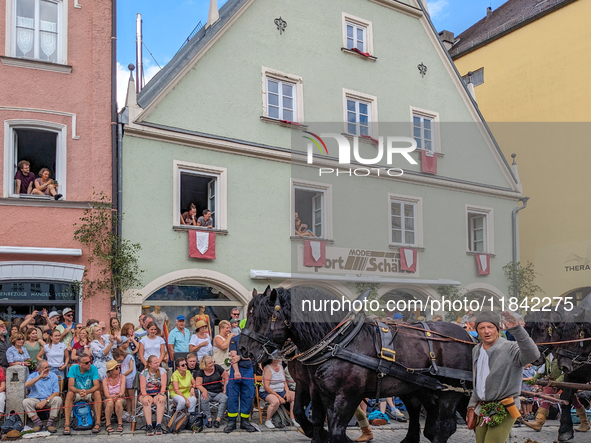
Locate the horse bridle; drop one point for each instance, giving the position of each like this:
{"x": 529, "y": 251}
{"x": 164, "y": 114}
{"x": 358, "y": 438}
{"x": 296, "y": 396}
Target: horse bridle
{"x": 578, "y": 360}
{"x": 267, "y": 340}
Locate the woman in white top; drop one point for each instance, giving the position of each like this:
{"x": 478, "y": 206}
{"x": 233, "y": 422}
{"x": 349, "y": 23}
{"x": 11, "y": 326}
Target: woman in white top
{"x": 200, "y": 342}
{"x": 152, "y": 344}
{"x": 101, "y": 347}
{"x": 56, "y": 354}
{"x": 275, "y": 390}
{"x": 221, "y": 345}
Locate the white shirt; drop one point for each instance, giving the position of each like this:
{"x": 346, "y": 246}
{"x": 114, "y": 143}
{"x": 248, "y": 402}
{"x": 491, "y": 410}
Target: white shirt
{"x": 125, "y": 366}
{"x": 482, "y": 371}
{"x": 204, "y": 350}
{"x": 152, "y": 347}
{"x": 55, "y": 355}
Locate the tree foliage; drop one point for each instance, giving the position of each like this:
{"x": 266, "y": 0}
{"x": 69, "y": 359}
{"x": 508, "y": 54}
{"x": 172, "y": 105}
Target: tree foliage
{"x": 116, "y": 257}
{"x": 522, "y": 280}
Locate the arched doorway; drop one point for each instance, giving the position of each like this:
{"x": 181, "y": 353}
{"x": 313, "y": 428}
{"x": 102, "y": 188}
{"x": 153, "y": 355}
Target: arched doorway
{"x": 578, "y": 295}
{"x": 187, "y": 298}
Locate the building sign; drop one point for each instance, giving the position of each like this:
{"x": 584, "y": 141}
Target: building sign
{"x": 353, "y": 261}
{"x": 24, "y": 292}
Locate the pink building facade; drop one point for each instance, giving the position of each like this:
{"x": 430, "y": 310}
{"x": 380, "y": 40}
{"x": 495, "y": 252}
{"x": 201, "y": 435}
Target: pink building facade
{"x": 55, "y": 113}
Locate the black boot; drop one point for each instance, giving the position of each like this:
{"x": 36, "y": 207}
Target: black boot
{"x": 246, "y": 425}
{"x": 231, "y": 426}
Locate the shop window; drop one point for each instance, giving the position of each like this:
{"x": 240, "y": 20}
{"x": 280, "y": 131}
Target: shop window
{"x": 38, "y": 29}
{"x": 202, "y": 186}
{"x": 42, "y": 145}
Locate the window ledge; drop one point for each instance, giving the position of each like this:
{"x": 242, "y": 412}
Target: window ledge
{"x": 35, "y": 64}
{"x": 358, "y": 54}
{"x": 439, "y": 154}
{"x": 369, "y": 140}
{"x": 43, "y": 202}
{"x": 284, "y": 123}
{"x": 416, "y": 248}
{"x": 479, "y": 253}
{"x": 298, "y": 238}
{"x": 180, "y": 228}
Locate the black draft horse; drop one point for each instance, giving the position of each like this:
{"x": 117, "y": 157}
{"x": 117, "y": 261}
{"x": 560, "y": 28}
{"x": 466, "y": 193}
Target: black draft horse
{"x": 574, "y": 359}
{"x": 341, "y": 385}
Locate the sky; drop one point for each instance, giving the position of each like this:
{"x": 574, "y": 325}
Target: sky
{"x": 167, "y": 24}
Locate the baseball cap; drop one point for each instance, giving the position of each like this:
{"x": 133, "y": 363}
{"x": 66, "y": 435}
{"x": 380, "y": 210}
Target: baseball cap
{"x": 397, "y": 316}
{"x": 65, "y": 311}
{"x": 235, "y": 320}
{"x": 52, "y": 314}
{"x": 124, "y": 339}
{"x": 180, "y": 318}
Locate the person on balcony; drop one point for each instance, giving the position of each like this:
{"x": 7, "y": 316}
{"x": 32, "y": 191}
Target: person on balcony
{"x": 24, "y": 178}
{"x": 45, "y": 185}
{"x": 205, "y": 220}
{"x": 189, "y": 217}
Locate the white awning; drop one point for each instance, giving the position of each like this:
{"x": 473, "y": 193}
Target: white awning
{"x": 267, "y": 275}
{"x": 40, "y": 251}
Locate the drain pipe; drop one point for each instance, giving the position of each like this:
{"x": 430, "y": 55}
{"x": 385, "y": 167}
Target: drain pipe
{"x": 514, "y": 230}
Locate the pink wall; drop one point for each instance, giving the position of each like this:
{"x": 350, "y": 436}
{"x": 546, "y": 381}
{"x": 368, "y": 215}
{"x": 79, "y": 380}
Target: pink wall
{"x": 86, "y": 92}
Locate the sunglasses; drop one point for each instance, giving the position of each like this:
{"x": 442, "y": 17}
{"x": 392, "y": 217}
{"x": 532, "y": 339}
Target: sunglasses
{"x": 85, "y": 362}
{"x": 236, "y": 314}
{"x": 183, "y": 365}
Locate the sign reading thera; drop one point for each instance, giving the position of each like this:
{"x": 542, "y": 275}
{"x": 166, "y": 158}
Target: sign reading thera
{"x": 358, "y": 261}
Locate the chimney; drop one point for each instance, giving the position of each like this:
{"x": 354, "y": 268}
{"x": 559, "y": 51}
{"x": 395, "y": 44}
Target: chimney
{"x": 470, "y": 86}
{"x": 488, "y": 11}
{"x": 214, "y": 14}
{"x": 447, "y": 38}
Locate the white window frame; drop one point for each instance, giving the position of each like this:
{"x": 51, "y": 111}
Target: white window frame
{"x": 359, "y": 22}
{"x": 489, "y": 228}
{"x": 221, "y": 191}
{"x": 61, "y": 156}
{"x": 296, "y": 80}
{"x": 62, "y": 42}
{"x": 371, "y": 100}
{"x": 418, "y": 203}
{"x": 435, "y": 131}
{"x": 311, "y": 186}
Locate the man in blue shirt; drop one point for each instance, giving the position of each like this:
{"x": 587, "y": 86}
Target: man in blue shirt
{"x": 240, "y": 389}
{"x": 178, "y": 338}
{"x": 44, "y": 394}
{"x": 83, "y": 385}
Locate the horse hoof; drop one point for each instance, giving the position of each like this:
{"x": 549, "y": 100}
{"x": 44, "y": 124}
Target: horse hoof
{"x": 566, "y": 436}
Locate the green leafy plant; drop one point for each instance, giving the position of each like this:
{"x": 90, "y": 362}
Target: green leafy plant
{"x": 116, "y": 257}
{"x": 522, "y": 280}
{"x": 451, "y": 293}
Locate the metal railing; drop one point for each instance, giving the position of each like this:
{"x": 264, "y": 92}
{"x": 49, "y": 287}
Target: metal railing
{"x": 191, "y": 35}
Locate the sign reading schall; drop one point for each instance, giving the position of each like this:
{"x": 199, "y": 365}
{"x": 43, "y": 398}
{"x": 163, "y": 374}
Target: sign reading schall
{"x": 358, "y": 262}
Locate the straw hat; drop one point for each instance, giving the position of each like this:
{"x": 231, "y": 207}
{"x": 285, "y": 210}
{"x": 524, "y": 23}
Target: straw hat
{"x": 112, "y": 364}
{"x": 200, "y": 324}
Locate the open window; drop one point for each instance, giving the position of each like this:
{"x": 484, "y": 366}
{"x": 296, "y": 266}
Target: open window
{"x": 311, "y": 210}
{"x": 41, "y": 145}
{"x": 204, "y": 187}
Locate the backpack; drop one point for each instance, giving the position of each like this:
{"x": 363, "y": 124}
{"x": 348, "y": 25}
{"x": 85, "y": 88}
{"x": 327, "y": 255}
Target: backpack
{"x": 281, "y": 418}
{"x": 196, "y": 422}
{"x": 178, "y": 421}
{"x": 82, "y": 419}
{"x": 12, "y": 422}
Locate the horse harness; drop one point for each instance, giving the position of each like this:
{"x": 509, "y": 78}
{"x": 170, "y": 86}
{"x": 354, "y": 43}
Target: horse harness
{"x": 334, "y": 345}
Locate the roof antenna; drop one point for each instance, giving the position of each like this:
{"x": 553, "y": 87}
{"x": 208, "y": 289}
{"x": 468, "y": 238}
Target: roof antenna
{"x": 139, "y": 63}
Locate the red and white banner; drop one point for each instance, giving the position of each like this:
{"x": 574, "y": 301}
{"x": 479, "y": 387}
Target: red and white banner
{"x": 429, "y": 162}
{"x": 483, "y": 261}
{"x": 408, "y": 260}
{"x": 314, "y": 253}
{"x": 201, "y": 244}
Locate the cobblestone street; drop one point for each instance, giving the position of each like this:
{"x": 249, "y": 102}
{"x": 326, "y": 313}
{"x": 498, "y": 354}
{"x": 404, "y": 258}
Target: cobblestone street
{"x": 384, "y": 434}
